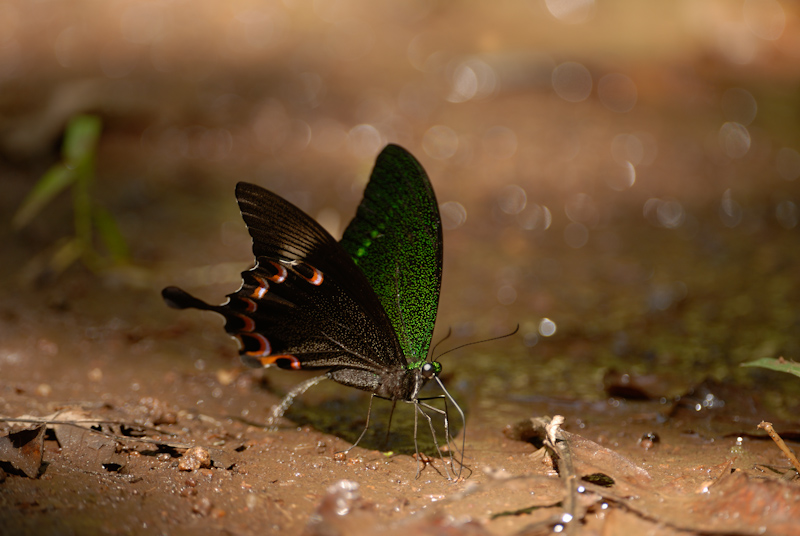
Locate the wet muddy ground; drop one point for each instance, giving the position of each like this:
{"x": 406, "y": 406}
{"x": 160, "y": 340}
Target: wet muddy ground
{"x": 655, "y": 231}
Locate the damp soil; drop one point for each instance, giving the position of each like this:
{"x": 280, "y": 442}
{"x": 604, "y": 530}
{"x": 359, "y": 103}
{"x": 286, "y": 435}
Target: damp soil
{"x": 122, "y": 416}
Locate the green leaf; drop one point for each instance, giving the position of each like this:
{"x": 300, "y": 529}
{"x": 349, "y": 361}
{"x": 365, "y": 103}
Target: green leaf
{"x": 109, "y": 233}
{"x": 80, "y": 138}
{"x": 51, "y": 184}
{"x": 780, "y": 365}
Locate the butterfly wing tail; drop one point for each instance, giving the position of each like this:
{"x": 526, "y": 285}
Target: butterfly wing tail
{"x": 178, "y": 298}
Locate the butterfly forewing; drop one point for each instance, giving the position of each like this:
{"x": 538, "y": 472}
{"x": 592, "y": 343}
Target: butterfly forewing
{"x": 396, "y": 240}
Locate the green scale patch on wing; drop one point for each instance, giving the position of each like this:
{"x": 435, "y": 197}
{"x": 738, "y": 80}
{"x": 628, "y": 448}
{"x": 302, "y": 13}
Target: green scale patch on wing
{"x": 396, "y": 240}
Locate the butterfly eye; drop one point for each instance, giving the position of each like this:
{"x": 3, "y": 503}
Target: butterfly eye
{"x": 429, "y": 370}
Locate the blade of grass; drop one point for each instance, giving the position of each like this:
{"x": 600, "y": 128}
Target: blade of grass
{"x": 80, "y": 139}
{"x": 57, "y": 179}
{"x": 110, "y": 235}
{"x": 66, "y": 254}
{"x": 80, "y": 142}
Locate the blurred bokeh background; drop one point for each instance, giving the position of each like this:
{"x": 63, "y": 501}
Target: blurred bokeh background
{"x": 618, "y": 177}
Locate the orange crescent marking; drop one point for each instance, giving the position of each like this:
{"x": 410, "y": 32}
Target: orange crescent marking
{"x": 249, "y": 323}
{"x": 264, "y": 346}
{"x": 271, "y": 360}
{"x": 260, "y": 290}
{"x": 316, "y": 278}
{"x": 251, "y": 305}
{"x": 280, "y": 277}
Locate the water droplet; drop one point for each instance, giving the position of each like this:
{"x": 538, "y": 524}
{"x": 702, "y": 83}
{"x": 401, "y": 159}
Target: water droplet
{"x": 627, "y": 148}
{"x": 576, "y": 235}
{"x": 535, "y": 217}
{"x": 787, "y": 214}
{"x": 617, "y": 92}
{"x": 765, "y": 18}
{"x": 471, "y": 79}
{"x": 736, "y": 43}
{"x": 547, "y": 328}
{"x": 670, "y": 214}
{"x": 572, "y": 81}
{"x": 621, "y": 177}
{"x": 666, "y": 213}
{"x": 734, "y": 139}
{"x": 730, "y": 212}
{"x": 364, "y": 141}
{"x": 506, "y": 295}
{"x": 500, "y": 142}
{"x": 440, "y": 142}
{"x": 454, "y": 215}
{"x": 512, "y": 199}
{"x": 581, "y": 208}
{"x": 571, "y": 11}
{"x": 530, "y": 339}
{"x": 739, "y": 105}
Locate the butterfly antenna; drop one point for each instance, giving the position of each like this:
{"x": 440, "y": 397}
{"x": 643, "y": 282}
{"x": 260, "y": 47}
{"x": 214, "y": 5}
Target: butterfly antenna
{"x": 435, "y": 346}
{"x": 516, "y": 329}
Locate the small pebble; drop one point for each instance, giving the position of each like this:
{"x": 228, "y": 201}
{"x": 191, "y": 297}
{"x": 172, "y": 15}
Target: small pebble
{"x": 648, "y": 440}
{"x": 202, "y": 507}
{"x": 195, "y": 458}
{"x": 95, "y": 375}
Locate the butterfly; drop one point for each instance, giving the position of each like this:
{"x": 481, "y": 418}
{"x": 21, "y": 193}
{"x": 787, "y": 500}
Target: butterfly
{"x": 362, "y": 309}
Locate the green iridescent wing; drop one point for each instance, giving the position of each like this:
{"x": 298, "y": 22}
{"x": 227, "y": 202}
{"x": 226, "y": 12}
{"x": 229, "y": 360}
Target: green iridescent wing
{"x": 396, "y": 240}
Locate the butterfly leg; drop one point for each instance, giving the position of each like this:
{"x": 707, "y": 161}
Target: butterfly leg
{"x": 447, "y": 421}
{"x": 389, "y": 426}
{"x": 279, "y": 409}
{"x": 451, "y": 441}
{"x": 416, "y": 447}
{"x": 419, "y": 405}
{"x": 418, "y": 410}
{"x": 364, "y": 431}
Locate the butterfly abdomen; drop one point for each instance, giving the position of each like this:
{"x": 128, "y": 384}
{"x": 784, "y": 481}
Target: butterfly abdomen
{"x": 392, "y": 384}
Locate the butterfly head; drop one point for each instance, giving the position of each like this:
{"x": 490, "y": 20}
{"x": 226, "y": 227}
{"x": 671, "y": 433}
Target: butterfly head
{"x": 430, "y": 369}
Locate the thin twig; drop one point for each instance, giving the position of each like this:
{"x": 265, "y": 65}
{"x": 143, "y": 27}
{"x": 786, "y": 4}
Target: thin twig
{"x": 767, "y": 426}
{"x": 556, "y": 441}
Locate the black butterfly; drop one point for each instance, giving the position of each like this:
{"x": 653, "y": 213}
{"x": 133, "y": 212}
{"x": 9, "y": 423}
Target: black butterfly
{"x": 363, "y": 309}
